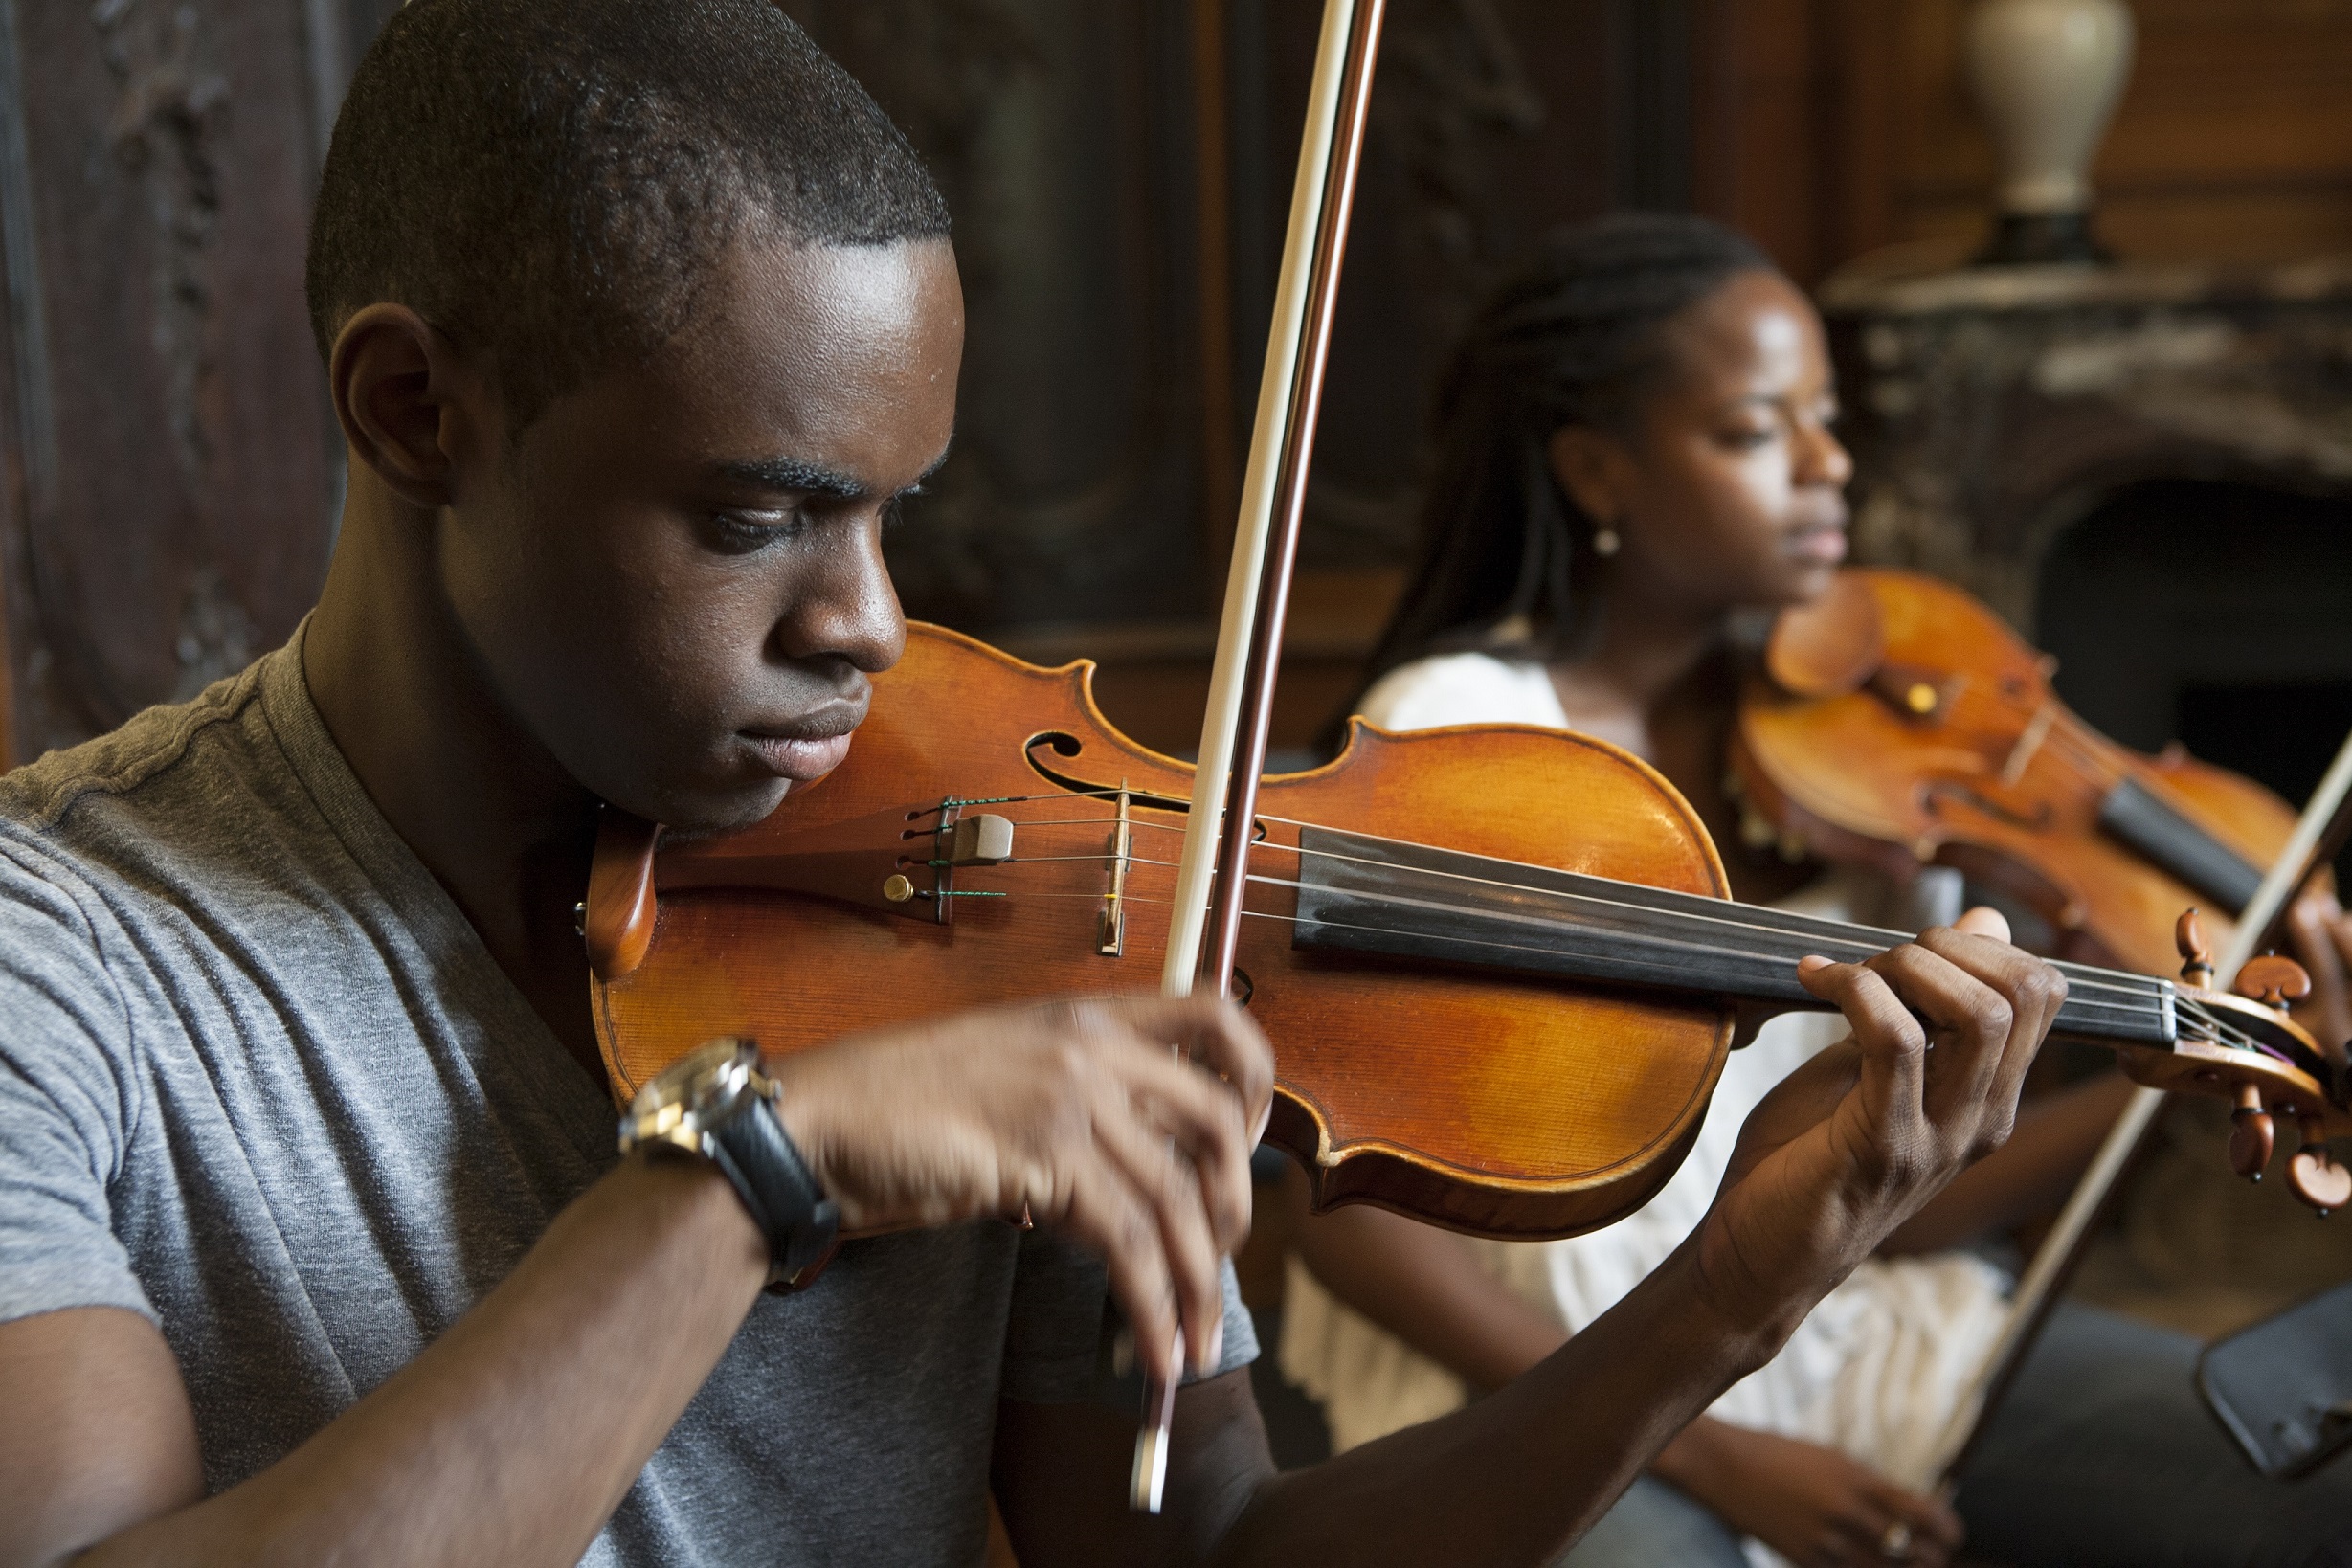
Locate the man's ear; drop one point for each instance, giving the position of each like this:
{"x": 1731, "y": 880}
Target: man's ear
{"x": 395, "y": 382}
{"x": 1595, "y": 469}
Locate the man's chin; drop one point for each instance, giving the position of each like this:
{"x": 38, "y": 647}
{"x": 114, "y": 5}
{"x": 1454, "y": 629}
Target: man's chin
{"x": 706, "y": 812}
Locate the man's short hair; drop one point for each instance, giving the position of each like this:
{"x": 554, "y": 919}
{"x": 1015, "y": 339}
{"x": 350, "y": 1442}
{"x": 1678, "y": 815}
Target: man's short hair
{"x": 551, "y": 180}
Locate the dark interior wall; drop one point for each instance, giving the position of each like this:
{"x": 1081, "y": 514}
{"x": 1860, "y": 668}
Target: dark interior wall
{"x": 1120, "y": 174}
{"x": 168, "y": 468}
{"x": 2216, "y": 614}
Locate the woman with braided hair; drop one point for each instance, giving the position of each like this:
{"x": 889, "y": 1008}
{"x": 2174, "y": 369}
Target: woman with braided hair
{"x": 1635, "y": 467}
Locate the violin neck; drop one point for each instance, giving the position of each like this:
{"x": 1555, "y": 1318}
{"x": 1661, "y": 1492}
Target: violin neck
{"x": 1361, "y": 893}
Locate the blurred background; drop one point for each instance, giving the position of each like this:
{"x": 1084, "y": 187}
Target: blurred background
{"x": 2140, "y": 465}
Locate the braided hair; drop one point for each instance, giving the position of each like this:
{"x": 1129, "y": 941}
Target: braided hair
{"x": 1574, "y": 338}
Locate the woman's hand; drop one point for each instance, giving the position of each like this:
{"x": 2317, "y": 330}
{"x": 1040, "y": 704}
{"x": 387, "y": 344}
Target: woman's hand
{"x": 1857, "y": 1139}
{"x": 1812, "y": 1504}
{"x": 2321, "y": 933}
{"x": 1086, "y": 1113}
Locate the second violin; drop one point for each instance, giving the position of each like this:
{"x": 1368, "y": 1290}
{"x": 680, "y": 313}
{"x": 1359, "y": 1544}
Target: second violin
{"x": 1898, "y": 722}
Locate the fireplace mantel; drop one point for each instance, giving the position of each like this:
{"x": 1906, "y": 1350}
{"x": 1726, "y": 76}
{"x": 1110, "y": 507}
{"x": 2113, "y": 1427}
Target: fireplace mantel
{"x": 1989, "y": 409}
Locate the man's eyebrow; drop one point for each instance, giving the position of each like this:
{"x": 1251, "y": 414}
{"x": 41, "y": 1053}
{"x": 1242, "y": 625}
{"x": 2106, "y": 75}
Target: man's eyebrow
{"x": 795, "y": 476}
{"x": 792, "y": 476}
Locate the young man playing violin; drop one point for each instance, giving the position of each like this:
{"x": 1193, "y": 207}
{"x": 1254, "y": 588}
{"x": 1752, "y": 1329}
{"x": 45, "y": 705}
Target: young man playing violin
{"x": 314, "y": 1242}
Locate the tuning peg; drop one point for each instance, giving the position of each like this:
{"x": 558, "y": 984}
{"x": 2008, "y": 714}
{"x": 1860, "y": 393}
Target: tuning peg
{"x": 2314, "y": 1176}
{"x": 2273, "y": 981}
{"x": 2196, "y": 958}
{"x": 2252, "y": 1134}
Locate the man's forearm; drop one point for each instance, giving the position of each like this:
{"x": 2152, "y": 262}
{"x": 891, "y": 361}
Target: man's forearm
{"x": 513, "y": 1437}
{"x": 1516, "y": 1476}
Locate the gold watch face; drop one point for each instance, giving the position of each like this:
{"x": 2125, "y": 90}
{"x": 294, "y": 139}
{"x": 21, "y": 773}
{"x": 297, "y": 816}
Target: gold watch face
{"x": 690, "y": 1094}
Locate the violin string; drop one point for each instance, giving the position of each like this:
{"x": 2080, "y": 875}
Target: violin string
{"x": 2083, "y": 749}
{"x": 1854, "y": 944}
{"x": 2137, "y": 986}
{"x": 2066, "y": 736}
{"x": 1680, "y": 944}
{"x": 1810, "y": 931}
{"x": 2141, "y": 988}
{"x": 2229, "y": 1034}
{"x": 2209, "y": 1025}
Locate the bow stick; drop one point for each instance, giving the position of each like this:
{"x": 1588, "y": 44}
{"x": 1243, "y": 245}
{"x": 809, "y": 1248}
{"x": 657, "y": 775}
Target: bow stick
{"x": 2317, "y": 835}
{"x": 1265, "y": 549}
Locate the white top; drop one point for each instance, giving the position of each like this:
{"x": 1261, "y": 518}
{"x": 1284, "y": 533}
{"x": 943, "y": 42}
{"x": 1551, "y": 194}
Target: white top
{"x": 1877, "y": 1369}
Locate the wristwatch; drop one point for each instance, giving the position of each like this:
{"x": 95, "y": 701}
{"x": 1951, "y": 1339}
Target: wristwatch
{"x": 715, "y": 1102}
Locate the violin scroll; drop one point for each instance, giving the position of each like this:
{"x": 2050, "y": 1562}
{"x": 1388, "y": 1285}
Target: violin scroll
{"x": 2314, "y": 1175}
{"x": 1831, "y": 646}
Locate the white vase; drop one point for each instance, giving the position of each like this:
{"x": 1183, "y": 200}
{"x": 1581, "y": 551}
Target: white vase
{"x": 2046, "y": 74}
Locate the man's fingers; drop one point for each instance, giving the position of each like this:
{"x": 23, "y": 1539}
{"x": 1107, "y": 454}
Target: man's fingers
{"x": 1163, "y": 1182}
{"x": 1104, "y": 1213}
{"x": 1215, "y": 1034}
{"x": 1893, "y": 1043}
{"x": 1983, "y": 921}
{"x": 2032, "y": 990}
{"x": 1204, "y": 1119}
{"x": 1968, "y": 1022}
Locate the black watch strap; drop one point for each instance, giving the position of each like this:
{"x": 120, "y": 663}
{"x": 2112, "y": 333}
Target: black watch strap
{"x": 756, "y": 1153}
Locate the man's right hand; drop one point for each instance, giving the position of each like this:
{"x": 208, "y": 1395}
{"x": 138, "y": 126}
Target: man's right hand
{"x": 1077, "y": 1111}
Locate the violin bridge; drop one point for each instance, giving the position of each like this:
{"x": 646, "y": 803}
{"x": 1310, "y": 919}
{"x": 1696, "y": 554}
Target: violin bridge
{"x": 1111, "y": 937}
{"x": 2029, "y": 741}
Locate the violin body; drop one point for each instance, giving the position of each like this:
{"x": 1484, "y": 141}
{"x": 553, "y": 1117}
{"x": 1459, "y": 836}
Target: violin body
{"x": 1493, "y": 1103}
{"x": 1498, "y": 964}
{"x": 1899, "y": 722}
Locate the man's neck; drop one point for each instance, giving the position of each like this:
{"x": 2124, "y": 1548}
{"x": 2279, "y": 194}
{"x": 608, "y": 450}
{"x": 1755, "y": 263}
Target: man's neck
{"x": 487, "y": 810}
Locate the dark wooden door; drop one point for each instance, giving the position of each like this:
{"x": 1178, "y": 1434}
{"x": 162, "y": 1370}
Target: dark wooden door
{"x": 168, "y": 468}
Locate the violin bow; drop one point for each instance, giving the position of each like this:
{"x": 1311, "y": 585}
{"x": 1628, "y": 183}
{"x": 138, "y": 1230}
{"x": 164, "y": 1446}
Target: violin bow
{"x": 1241, "y": 707}
{"x": 2318, "y": 835}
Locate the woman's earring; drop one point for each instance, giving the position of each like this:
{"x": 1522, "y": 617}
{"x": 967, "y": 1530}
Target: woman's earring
{"x": 1606, "y": 540}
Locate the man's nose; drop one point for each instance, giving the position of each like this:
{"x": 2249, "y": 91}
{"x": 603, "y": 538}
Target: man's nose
{"x": 846, "y": 607}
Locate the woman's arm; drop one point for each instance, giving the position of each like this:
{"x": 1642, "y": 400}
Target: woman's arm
{"x": 1424, "y": 1286}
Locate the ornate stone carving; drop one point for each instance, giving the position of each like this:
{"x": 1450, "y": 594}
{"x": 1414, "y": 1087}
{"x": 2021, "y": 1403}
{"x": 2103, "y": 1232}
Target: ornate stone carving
{"x": 1991, "y": 410}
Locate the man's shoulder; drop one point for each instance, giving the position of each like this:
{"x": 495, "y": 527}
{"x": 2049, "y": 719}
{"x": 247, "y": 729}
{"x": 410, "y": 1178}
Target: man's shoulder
{"x": 36, "y": 797}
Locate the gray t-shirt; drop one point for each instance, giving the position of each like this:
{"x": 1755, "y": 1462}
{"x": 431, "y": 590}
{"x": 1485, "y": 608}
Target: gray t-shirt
{"x": 261, "y": 1083}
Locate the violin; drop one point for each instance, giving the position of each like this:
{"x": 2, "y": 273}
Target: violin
{"x": 1499, "y": 963}
{"x": 1897, "y": 722}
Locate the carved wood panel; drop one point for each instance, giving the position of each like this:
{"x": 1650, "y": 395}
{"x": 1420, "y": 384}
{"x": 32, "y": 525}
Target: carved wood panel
{"x": 1832, "y": 127}
{"x": 170, "y": 467}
